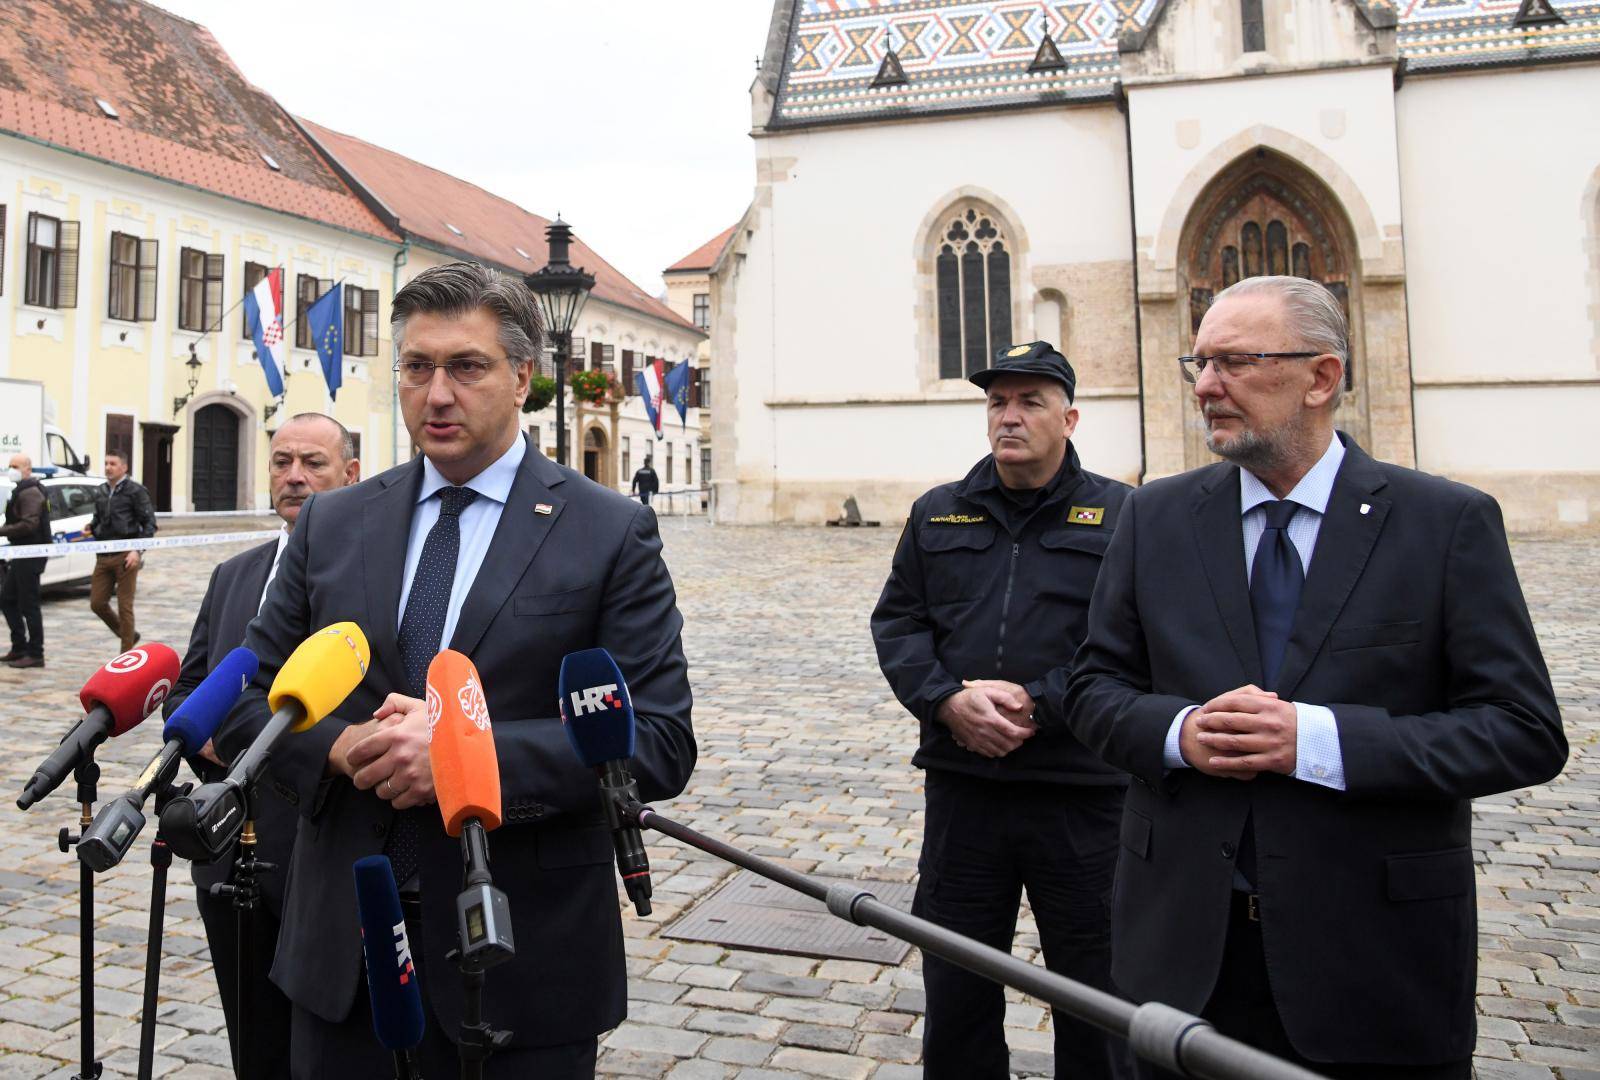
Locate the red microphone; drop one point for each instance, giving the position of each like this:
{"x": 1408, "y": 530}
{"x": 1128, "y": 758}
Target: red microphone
{"x": 116, "y": 697}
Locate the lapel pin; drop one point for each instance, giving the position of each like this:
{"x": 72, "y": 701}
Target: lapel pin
{"x": 1365, "y": 507}
{"x": 545, "y": 508}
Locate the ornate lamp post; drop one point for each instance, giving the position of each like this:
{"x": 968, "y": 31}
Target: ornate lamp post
{"x": 562, "y": 290}
{"x": 193, "y": 364}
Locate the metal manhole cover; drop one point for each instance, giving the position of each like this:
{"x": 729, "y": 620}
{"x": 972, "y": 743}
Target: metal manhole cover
{"x": 750, "y": 912}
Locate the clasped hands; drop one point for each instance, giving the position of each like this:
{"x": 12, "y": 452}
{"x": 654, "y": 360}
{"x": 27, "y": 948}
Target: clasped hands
{"x": 991, "y": 717}
{"x": 388, "y": 754}
{"x": 1241, "y": 733}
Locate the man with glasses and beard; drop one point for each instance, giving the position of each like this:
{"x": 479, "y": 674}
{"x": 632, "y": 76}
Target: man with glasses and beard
{"x": 1310, "y": 662}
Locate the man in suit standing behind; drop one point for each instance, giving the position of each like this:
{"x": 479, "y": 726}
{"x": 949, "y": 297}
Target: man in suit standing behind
{"x": 497, "y": 552}
{"x": 1310, "y": 662}
{"x": 310, "y": 453}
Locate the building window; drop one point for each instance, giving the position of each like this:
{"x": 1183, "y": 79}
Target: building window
{"x": 253, "y": 273}
{"x": 307, "y": 287}
{"x": 360, "y": 321}
{"x": 705, "y": 465}
{"x": 533, "y": 438}
{"x": 688, "y": 465}
{"x": 704, "y": 388}
{"x": 1254, "y": 26}
{"x": 199, "y": 290}
{"x": 666, "y": 453}
{"x": 608, "y": 358}
{"x": 627, "y": 373}
{"x": 355, "y": 443}
{"x": 972, "y": 270}
{"x": 133, "y": 279}
{"x": 702, "y": 310}
{"x": 627, "y": 457}
{"x": 51, "y": 277}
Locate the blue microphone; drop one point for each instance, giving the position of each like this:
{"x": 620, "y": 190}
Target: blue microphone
{"x": 397, "y": 1017}
{"x": 597, "y": 714}
{"x": 110, "y": 836}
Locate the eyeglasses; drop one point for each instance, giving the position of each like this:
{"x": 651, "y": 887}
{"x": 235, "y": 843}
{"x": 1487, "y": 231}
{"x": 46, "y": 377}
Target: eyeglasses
{"x": 1232, "y": 365}
{"x": 464, "y": 370}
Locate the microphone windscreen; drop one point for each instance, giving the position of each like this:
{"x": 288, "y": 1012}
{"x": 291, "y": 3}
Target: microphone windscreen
{"x": 391, "y": 976}
{"x": 133, "y": 685}
{"x": 195, "y": 719}
{"x": 466, "y": 771}
{"x": 596, "y": 709}
{"x": 321, "y": 672}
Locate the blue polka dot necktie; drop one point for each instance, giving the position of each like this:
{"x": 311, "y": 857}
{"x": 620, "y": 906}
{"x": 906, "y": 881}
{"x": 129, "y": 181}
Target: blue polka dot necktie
{"x": 1276, "y": 579}
{"x": 421, "y": 635}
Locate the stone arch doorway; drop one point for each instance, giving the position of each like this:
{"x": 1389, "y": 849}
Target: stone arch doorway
{"x": 221, "y": 453}
{"x": 595, "y": 456}
{"x": 1267, "y": 214}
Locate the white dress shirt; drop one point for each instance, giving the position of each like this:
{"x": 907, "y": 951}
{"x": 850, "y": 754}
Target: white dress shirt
{"x": 1318, "y": 756}
{"x": 478, "y": 522}
{"x": 277, "y": 557}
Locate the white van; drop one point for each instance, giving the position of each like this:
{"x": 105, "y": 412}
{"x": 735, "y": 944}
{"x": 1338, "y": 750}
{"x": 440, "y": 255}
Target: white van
{"x": 71, "y": 502}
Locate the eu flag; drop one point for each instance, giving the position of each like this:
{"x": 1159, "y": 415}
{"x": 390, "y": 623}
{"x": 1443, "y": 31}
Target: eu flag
{"x": 326, "y": 319}
{"x": 678, "y": 391}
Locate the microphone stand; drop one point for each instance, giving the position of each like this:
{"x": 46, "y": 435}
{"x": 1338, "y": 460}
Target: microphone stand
{"x": 483, "y": 938}
{"x": 160, "y": 861}
{"x": 87, "y": 776}
{"x": 246, "y": 893}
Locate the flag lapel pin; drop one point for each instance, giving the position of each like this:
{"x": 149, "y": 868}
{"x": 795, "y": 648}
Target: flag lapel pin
{"x": 546, "y": 508}
{"x": 1366, "y": 508}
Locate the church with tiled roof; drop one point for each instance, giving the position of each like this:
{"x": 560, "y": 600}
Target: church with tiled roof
{"x": 937, "y": 179}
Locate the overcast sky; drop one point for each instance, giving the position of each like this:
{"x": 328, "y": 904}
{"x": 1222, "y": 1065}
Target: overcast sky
{"x": 629, "y": 117}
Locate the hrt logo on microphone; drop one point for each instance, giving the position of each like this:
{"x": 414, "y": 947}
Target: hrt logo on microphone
{"x": 402, "y": 953}
{"x": 593, "y": 699}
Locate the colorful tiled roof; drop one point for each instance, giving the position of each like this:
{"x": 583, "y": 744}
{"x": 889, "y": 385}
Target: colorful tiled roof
{"x": 705, "y": 256}
{"x": 960, "y": 55}
{"x": 449, "y": 214}
{"x": 183, "y": 111}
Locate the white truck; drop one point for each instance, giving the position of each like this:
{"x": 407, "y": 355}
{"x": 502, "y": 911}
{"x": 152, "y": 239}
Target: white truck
{"x": 23, "y": 430}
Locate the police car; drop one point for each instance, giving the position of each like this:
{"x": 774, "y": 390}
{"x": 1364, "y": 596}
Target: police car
{"x": 71, "y": 502}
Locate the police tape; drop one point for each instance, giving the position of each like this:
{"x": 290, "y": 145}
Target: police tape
{"x": 106, "y": 547}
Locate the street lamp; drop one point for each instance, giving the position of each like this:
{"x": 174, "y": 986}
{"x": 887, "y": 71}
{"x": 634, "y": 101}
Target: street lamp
{"x": 562, "y": 290}
{"x": 193, "y": 364}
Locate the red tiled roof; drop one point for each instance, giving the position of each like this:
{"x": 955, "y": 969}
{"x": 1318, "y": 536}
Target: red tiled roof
{"x": 185, "y": 113}
{"x": 705, "y": 256}
{"x": 426, "y": 202}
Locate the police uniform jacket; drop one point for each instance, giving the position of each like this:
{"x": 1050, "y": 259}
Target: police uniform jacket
{"x": 985, "y": 588}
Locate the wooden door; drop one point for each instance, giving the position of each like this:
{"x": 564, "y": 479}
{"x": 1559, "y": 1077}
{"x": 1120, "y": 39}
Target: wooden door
{"x": 215, "y": 480}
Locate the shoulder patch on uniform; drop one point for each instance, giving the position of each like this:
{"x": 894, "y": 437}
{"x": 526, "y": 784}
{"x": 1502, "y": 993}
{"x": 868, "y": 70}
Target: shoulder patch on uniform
{"x": 1086, "y": 515}
{"x": 958, "y": 519}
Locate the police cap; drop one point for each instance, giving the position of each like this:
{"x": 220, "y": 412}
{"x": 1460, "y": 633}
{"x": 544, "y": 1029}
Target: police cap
{"x": 1034, "y": 358}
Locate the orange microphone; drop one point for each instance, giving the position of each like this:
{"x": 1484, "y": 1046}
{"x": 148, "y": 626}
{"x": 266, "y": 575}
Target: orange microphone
{"x": 466, "y": 781}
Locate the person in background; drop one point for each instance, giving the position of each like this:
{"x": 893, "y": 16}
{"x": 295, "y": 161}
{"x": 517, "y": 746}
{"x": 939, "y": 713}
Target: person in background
{"x": 27, "y": 522}
{"x": 645, "y": 482}
{"x": 122, "y": 511}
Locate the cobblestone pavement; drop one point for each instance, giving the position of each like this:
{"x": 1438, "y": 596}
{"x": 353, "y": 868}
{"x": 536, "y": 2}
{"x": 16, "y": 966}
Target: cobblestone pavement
{"x": 803, "y": 758}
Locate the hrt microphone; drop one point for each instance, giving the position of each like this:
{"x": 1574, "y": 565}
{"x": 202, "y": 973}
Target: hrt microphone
{"x": 116, "y": 825}
{"x": 115, "y": 698}
{"x": 322, "y": 671}
{"x": 597, "y": 713}
{"x": 466, "y": 781}
{"x": 397, "y": 1017}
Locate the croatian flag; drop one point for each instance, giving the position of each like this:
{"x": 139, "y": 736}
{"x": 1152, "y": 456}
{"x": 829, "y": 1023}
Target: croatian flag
{"x": 653, "y": 388}
{"x": 263, "y": 313}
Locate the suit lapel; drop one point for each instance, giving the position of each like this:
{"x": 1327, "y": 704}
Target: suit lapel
{"x": 385, "y": 532}
{"x": 1219, "y": 532}
{"x": 241, "y": 597}
{"x": 517, "y": 539}
{"x": 1345, "y": 539}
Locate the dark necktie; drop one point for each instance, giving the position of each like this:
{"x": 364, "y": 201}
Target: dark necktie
{"x": 1276, "y": 580}
{"x": 421, "y": 630}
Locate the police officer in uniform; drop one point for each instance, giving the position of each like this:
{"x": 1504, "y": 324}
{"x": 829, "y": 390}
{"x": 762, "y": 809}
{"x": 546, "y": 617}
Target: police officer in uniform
{"x": 985, "y": 605}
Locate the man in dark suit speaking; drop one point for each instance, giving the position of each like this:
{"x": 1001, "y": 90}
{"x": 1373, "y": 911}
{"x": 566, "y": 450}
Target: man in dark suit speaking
{"x": 308, "y": 454}
{"x": 486, "y": 547}
{"x": 1310, "y": 662}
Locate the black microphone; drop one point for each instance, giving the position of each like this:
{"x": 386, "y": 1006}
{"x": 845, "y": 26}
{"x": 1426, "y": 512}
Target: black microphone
{"x": 116, "y": 697}
{"x": 321, "y": 672}
{"x": 597, "y": 713}
{"x": 397, "y": 1017}
{"x": 109, "y": 837}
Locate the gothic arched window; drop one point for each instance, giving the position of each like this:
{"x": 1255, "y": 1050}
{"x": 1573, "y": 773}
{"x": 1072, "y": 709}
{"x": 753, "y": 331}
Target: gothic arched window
{"x": 972, "y": 275}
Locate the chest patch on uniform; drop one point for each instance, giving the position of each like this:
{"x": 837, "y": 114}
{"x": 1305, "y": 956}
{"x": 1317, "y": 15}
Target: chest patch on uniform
{"x": 958, "y": 519}
{"x": 1087, "y": 515}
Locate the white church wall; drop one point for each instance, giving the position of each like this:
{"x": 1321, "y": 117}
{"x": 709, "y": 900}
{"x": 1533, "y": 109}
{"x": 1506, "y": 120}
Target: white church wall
{"x": 1501, "y": 178}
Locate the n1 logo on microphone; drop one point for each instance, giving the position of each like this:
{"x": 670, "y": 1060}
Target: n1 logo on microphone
{"x": 158, "y": 694}
{"x": 593, "y": 699}
{"x": 128, "y": 662}
{"x": 402, "y": 953}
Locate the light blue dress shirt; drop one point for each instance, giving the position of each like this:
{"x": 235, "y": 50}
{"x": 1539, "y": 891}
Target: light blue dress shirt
{"x": 1318, "y": 756}
{"x": 478, "y": 522}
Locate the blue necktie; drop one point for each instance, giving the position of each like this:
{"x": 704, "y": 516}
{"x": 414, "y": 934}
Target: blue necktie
{"x": 1276, "y": 580}
{"x": 421, "y": 633}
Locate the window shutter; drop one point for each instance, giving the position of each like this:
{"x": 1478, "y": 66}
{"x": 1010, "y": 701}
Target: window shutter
{"x": 597, "y": 353}
{"x": 147, "y": 281}
{"x": 627, "y": 372}
{"x": 67, "y": 266}
{"x": 324, "y": 286}
{"x": 369, "y": 322}
{"x": 214, "y": 275}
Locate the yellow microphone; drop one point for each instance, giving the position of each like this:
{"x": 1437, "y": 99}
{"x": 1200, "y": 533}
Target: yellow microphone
{"x": 320, "y": 674}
